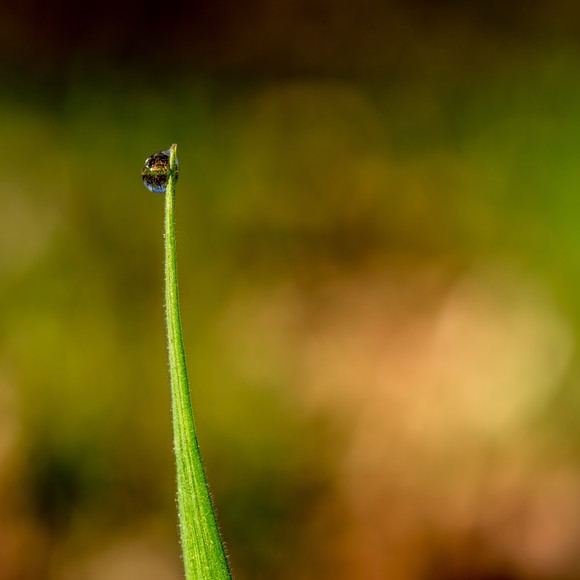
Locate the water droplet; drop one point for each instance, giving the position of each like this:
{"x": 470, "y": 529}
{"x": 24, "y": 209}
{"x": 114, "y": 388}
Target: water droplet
{"x": 156, "y": 170}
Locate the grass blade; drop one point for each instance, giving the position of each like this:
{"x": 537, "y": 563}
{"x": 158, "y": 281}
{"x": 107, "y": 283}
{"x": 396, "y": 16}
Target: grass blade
{"x": 203, "y": 553}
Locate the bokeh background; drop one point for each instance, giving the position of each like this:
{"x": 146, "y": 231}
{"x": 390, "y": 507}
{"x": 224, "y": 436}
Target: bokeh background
{"x": 379, "y": 253}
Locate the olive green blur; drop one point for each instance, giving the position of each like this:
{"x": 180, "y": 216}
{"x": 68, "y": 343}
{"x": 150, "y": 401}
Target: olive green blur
{"x": 378, "y": 247}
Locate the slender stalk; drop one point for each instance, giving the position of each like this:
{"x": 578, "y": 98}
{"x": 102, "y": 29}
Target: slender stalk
{"x": 203, "y": 553}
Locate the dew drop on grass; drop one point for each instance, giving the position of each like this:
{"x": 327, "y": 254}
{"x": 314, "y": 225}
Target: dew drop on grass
{"x": 156, "y": 170}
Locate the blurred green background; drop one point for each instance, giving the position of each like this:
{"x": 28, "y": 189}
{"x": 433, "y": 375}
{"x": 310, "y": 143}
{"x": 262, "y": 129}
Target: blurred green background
{"x": 379, "y": 260}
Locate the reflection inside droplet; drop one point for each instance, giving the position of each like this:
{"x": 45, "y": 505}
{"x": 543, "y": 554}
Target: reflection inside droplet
{"x": 156, "y": 170}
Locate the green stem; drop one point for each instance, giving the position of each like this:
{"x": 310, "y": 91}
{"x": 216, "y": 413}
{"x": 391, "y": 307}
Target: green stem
{"x": 203, "y": 553}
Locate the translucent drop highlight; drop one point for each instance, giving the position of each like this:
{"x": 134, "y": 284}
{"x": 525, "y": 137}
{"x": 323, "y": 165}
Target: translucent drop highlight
{"x": 156, "y": 170}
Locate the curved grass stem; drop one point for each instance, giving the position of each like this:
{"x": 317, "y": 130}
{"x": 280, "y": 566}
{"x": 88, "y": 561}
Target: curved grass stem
{"x": 203, "y": 553}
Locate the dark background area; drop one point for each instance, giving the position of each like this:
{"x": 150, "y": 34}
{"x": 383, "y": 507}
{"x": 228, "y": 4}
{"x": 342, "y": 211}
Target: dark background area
{"x": 378, "y": 257}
